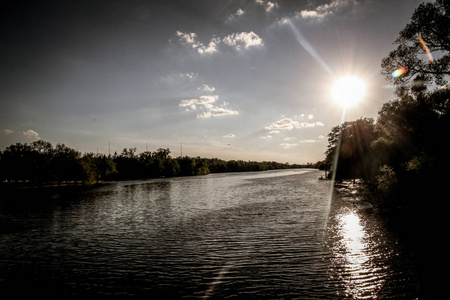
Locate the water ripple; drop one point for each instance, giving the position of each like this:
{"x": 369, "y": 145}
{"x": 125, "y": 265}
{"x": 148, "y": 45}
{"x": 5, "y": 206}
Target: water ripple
{"x": 246, "y": 236}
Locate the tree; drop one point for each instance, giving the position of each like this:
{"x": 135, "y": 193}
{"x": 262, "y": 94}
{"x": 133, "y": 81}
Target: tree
{"x": 352, "y": 141}
{"x": 412, "y": 141}
{"x": 423, "y": 46}
{"x": 42, "y": 153}
{"x": 324, "y": 165}
{"x": 66, "y": 163}
{"x": 17, "y": 162}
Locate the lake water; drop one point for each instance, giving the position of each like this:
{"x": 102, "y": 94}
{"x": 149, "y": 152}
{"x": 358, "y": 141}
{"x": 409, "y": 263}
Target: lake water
{"x": 264, "y": 235}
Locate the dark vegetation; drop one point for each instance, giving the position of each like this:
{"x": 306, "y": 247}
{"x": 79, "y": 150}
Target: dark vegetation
{"x": 40, "y": 164}
{"x": 402, "y": 157}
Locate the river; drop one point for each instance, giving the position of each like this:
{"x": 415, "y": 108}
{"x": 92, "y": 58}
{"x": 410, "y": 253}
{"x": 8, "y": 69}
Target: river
{"x": 265, "y": 235}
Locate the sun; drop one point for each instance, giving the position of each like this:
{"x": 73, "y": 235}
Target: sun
{"x": 349, "y": 91}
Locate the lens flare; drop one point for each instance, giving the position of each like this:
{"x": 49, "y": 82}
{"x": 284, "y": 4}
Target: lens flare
{"x": 310, "y": 49}
{"x": 425, "y": 49}
{"x": 399, "y": 72}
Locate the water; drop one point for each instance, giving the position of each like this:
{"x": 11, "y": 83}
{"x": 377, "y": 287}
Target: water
{"x": 267, "y": 235}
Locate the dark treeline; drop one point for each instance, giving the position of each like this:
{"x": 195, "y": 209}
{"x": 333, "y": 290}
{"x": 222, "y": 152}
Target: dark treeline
{"x": 40, "y": 164}
{"x": 402, "y": 157}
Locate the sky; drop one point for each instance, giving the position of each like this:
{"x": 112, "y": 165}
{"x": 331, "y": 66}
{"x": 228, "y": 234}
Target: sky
{"x": 232, "y": 79}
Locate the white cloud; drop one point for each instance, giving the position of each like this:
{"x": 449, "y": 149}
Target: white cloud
{"x": 289, "y": 124}
{"x": 313, "y": 14}
{"x": 211, "y": 48}
{"x": 31, "y": 134}
{"x": 188, "y": 75}
{"x": 288, "y": 145}
{"x": 268, "y": 5}
{"x": 205, "y": 101}
{"x": 324, "y": 10}
{"x": 190, "y": 39}
{"x": 217, "y": 112}
{"x": 282, "y": 21}
{"x": 8, "y": 131}
{"x": 205, "y": 104}
{"x": 239, "y": 13}
{"x": 283, "y": 124}
{"x": 308, "y": 141}
{"x": 206, "y": 88}
{"x": 229, "y": 135}
{"x": 243, "y": 39}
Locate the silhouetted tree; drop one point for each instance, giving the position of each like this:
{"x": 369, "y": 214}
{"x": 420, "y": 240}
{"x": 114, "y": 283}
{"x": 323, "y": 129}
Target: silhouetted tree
{"x": 18, "y": 162}
{"x": 66, "y": 164}
{"x": 429, "y": 29}
{"x": 352, "y": 141}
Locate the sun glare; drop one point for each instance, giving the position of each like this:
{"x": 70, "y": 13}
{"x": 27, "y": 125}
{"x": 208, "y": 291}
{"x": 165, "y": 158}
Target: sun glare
{"x": 349, "y": 91}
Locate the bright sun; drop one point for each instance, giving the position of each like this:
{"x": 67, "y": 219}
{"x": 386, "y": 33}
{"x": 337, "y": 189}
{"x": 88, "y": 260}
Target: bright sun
{"x": 349, "y": 91}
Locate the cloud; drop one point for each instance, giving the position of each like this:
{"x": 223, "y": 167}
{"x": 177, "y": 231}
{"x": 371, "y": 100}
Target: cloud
{"x": 324, "y": 10}
{"x": 177, "y": 78}
{"x": 205, "y": 104}
{"x": 239, "y": 13}
{"x": 217, "y": 112}
{"x": 8, "y": 131}
{"x": 188, "y": 75}
{"x": 308, "y": 141}
{"x": 283, "y": 124}
{"x": 243, "y": 39}
{"x": 239, "y": 40}
{"x": 205, "y": 101}
{"x": 288, "y": 145}
{"x": 190, "y": 39}
{"x": 291, "y": 145}
{"x": 229, "y": 135}
{"x": 313, "y": 14}
{"x": 289, "y": 124}
{"x": 268, "y": 5}
{"x": 282, "y": 21}
{"x": 206, "y": 88}
{"x": 31, "y": 134}
{"x": 211, "y": 48}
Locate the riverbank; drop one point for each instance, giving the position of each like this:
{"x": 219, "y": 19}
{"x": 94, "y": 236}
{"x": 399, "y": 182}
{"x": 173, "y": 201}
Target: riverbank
{"x": 45, "y": 193}
{"x": 418, "y": 229}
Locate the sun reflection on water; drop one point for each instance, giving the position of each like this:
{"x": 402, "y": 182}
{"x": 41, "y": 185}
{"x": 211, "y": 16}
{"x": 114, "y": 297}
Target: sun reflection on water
{"x": 360, "y": 276}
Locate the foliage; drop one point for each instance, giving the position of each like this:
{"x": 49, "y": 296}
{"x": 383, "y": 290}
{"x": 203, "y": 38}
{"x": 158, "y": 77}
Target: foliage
{"x": 428, "y": 30}
{"x": 39, "y": 164}
{"x": 400, "y": 154}
{"x": 402, "y": 157}
{"x": 352, "y": 141}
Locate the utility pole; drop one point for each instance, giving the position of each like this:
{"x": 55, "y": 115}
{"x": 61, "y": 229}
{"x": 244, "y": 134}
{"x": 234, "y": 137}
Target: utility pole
{"x": 181, "y": 149}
